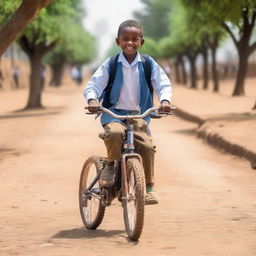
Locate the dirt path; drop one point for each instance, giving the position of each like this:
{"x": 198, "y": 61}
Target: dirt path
{"x": 207, "y": 199}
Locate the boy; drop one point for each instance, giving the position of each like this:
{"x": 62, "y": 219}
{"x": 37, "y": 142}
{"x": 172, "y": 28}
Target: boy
{"x": 130, "y": 93}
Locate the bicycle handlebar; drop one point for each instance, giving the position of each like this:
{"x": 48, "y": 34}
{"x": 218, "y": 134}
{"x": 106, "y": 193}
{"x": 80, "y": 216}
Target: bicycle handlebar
{"x": 147, "y": 112}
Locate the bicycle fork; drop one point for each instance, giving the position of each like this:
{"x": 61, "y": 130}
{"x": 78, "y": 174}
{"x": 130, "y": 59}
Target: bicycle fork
{"x": 129, "y": 153}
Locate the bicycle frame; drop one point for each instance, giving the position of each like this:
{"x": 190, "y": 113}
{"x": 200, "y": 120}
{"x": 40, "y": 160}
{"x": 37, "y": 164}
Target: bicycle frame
{"x": 129, "y": 148}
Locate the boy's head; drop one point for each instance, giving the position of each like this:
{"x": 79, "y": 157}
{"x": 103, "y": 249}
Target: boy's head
{"x": 130, "y": 38}
{"x": 130, "y": 23}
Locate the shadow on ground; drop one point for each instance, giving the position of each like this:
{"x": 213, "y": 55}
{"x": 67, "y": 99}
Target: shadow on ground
{"x": 188, "y": 132}
{"x": 21, "y": 113}
{"x": 77, "y": 233}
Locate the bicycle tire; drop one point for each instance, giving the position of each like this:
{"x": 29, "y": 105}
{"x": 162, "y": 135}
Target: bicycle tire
{"x": 136, "y": 199}
{"x": 94, "y": 164}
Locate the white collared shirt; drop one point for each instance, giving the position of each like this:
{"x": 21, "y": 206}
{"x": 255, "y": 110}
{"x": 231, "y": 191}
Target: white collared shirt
{"x": 129, "y": 97}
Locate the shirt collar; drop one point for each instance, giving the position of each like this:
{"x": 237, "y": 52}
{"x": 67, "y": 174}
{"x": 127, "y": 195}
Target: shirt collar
{"x": 122, "y": 59}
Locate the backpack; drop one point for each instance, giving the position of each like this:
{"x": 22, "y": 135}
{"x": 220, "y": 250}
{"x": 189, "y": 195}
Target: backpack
{"x": 146, "y": 62}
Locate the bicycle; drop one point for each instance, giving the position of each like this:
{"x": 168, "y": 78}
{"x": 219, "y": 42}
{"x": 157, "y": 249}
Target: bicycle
{"x": 129, "y": 184}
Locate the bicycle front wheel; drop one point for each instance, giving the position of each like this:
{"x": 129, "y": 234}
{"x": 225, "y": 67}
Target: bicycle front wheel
{"x": 91, "y": 209}
{"x": 133, "y": 205}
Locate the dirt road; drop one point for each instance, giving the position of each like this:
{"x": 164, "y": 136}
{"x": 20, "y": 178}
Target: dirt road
{"x": 207, "y": 199}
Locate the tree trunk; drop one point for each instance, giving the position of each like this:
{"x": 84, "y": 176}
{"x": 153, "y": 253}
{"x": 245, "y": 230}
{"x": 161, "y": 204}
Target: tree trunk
{"x": 183, "y": 71}
{"x": 1, "y": 74}
{"x": 254, "y": 107}
{"x": 35, "y": 90}
{"x": 35, "y": 53}
{"x": 243, "y": 46}
{"x": 177, "y": 70}
{"x": 215, "y": 75}
{"x": 241, "y": 74}
{"x": 24, "y": 14}
{"x": 57, "y": 73}
{"x": 213, "y": 43}
{"x": 205, "y": 68}
{"x": 193, "y": 72}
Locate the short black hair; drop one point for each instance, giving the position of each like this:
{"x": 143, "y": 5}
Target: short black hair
{"x": 130, "y": 23}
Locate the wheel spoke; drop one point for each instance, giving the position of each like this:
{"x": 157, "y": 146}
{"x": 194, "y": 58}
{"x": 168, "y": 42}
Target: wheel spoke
{"x": 91, "y": 209}
{"x": 134, "y": 205}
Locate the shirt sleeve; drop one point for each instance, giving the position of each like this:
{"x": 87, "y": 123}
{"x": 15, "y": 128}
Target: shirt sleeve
{"x": 160, "y": 82}
{"x": 98, "y": 82}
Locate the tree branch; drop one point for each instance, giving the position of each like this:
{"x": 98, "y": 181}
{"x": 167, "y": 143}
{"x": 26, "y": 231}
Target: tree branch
{"x": 49, "y": 47}
{"x": 253, "y": 18}
{"x": 228, "y": 30}
{"x": 24, "y": 14}
{"x": 245, "y": 16}
{"x": 252, "y": 48}
{"x": 24, "y": 44}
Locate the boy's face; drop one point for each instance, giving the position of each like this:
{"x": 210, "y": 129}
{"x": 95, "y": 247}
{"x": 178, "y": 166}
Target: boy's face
{"x": 130, "y": 40}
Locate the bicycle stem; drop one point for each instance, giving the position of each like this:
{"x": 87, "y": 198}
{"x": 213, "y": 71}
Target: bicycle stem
{"x": 130, "y": 136}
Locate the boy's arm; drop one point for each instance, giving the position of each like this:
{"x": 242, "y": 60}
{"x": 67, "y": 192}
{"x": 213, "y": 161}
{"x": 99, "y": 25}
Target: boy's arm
{"x": 96, "y": 85}
{"x": 165, "y": 106}
{"x": 162, "y": 86}
{"x": 93, "y": 105}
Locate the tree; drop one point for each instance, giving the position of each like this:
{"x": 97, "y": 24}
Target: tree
{"x": 254, "y": 107}
{"x": 155, "y": 18}
{"x": 171, "y": 47}
{"x": 245, "y": 24}
{"x": 75, "y": 48}
{"x": 186, "y": 38}
{"x": 150, "y": 47}
{"x": 17, "y": 20}
{"x": 208, "y": 34}
{"x": 40, "y": 37}
{"x": 238, "y": 20}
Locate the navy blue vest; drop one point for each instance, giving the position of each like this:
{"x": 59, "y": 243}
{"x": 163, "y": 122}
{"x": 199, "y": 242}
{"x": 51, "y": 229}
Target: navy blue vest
{"x": 110, "y": 97}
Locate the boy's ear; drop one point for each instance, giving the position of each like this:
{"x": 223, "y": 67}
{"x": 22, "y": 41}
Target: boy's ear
{"x": 117, "y": 41}
{"x": 142, "y": 41}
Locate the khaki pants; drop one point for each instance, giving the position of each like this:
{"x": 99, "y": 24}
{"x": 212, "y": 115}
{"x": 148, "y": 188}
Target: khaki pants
{"x": 114, "y": 136}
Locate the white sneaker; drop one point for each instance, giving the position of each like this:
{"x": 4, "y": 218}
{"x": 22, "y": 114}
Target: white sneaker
{"x": 151, "y": 198}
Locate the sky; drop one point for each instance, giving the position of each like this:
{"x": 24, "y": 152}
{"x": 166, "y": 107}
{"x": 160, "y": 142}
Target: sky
{"x": 103, "y": 18}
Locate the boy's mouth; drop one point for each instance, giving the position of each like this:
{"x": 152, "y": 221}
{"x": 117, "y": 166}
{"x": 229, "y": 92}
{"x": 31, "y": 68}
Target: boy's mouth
{"x": 130, "y": 48}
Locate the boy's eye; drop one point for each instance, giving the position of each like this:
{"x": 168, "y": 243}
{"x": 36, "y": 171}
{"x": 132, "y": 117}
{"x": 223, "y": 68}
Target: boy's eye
{"x": 132, "y": 39}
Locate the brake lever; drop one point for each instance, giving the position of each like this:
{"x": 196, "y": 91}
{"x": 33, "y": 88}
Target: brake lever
{"x": 155, "y": 116}
{"x": 98, "y": 113}
{"x": 165, "y": 113}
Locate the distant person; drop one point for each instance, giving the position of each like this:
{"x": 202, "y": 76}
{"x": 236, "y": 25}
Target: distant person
{"x": 16, "y": 77}
{"x": 76, "y": 75}
{"x": 167, "y": 70}
{"x": 130, "y": 93}
{"x": 80, "y": 77}
{"x": 1, "y": 79}
{"x": 42, "y": 76}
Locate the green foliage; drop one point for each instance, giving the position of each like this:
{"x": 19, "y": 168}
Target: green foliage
{"x": 7, "y": 8}
{"x": 150, "y": 47}
{"x": 155, "y": 18}
{"x": 47, "y": 27}
{"x": 168, "y": 47}
{"x": 222, "y": 10}
{"x": 190, "y": 29}
{"x": 75, "y": 45}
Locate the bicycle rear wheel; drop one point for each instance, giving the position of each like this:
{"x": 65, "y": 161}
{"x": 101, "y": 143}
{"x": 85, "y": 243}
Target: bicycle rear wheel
{"x": 91, "y": 209}
{"x": 134, "y": 204}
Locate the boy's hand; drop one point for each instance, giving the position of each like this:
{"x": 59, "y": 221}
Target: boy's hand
{"x": 93, "y": 106}
{"x": 165, "y": 106}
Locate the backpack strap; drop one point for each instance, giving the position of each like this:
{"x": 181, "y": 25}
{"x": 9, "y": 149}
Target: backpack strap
{"x": 112, "y": 71}
{"x": 147, "y": 65}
